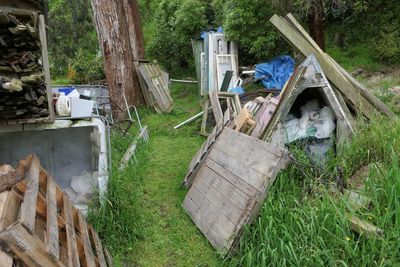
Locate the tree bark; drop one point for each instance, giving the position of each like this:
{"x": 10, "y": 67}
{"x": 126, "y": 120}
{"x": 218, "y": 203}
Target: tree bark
{"x": 135, "y": 28}
{"x": 316, "y": 22}
{"x": 115, "y": 41}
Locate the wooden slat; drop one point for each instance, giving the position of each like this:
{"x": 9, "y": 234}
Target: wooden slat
{"x": 6, "y": 260}
{"x": 28, "y": 207}
{"x": 90, "y": 262}
{"x": 73, "y": 258}
{"x": 108, "y": 256}
{"x": 99, "y": 247}
{"x": 216, "y": 106}
{"x": 52, "y": 241}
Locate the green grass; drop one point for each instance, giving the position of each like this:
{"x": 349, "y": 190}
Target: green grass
{"x": 142, "y": 221}
{"x": 354, "y": 57}
{"x": 303, "y": 224}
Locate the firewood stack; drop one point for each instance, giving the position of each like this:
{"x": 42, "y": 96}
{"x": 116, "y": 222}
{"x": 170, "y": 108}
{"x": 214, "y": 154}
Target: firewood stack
{"x": 23, "y": 93}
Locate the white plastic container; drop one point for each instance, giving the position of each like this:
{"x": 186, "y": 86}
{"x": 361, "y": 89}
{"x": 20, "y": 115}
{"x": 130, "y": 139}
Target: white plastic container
{"x": 81, "y": 108}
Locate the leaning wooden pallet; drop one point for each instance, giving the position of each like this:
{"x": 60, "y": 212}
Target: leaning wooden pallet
{"x": 40, "y": 226}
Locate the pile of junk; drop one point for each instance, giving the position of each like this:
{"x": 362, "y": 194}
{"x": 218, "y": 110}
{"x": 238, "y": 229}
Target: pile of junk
{"x": 310, "y": 102}
{"x": 254, "y": 118}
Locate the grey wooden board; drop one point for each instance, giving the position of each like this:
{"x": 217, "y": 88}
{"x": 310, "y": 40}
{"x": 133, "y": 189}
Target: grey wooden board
{"x": 159, "y": 95}
{"x": 216, "y": 106}
{"x": 230, "y": 186}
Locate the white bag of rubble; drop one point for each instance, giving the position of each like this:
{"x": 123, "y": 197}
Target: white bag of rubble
{"x": 85, "y": 185}
{"x": 325, "y": 125}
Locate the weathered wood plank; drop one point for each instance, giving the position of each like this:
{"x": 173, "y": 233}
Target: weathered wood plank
{"x": 52, "y": 241}
{"x": 216, "y": 106}
{"x": 90, "y": 262}
{"x": 108, "y": 257}
{"x": 73, "y": 259}
{"x": 98, "y": 246}
{"x": 28, "y": 207}
{"x": 364, "y": 228}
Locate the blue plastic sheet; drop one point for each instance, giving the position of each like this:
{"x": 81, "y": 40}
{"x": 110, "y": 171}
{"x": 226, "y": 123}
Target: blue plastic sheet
{"x": 203, "y": 33}
{"x": 237, "y": 90}
{"x": 275, "y": 73}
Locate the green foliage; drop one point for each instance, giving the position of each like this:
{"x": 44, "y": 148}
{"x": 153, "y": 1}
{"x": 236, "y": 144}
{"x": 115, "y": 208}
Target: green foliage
{"x": 72, "y": 38}
{"x": 249, "y": 25}
{"x": 86, "y": 68}
{"x": 176, "y": 22}
{"x": 303, "y": 224}
{"x": 387, "y": 47}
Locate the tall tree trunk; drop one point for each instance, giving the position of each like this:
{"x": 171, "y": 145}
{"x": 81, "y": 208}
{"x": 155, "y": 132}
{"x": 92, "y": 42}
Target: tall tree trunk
{"x": 114, "y": 37}
{"x": 135, "y": 28}
{"x": 316, "y": 22}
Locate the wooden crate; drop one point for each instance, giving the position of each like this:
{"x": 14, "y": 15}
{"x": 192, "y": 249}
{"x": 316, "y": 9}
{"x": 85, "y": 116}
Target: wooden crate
{"x": 40, "y": 225}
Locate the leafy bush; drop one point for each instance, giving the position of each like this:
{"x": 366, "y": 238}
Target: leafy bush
{"x": 86, "y": 68}
{"x": 387, "y": 47}
{"x": 177, "y": 21}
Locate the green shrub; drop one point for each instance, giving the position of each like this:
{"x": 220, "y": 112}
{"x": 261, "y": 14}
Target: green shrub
{"x": 86, "y": 68}
{"x": 387, "y": 47}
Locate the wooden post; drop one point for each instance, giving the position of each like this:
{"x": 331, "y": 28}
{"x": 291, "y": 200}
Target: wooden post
{"x": 112, "y": 20}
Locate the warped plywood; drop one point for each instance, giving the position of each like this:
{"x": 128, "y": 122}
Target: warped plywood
{"x": 230, "y": 185}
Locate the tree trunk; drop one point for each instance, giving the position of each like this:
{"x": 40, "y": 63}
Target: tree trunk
{"x": 135, "y": 28}
{"x": 339, "y": 40}
{"x": 316, "y": 22}
{"x": 114, "y": 37}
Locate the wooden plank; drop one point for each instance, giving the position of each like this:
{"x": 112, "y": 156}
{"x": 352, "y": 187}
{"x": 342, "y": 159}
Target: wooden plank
{"x": 265, "y": 117}
{"x": 238, "y": 168}
{"x": 90, "y": 262}
{"x": 46, "y": 66}
{"x": 205, "y": 104}
{"x": 216, "y": 106}
{"x": 98, "y": 246}
{"x": 237, "y": 181}
{"x": 108, "y": 257}
{"x": 260, "y": 156}
{"x": 10, "y": 210}
{"x": 27, "y": 246}
{"x": 52, "y": 241}
{"x": 364, "y": 228}
{"x": 73, "y": 259}
{"x": 28, "y": 207}
{"x": 206, "y": 224}
{"x": 224, "y": 186}
{"x": 297, "y": 40}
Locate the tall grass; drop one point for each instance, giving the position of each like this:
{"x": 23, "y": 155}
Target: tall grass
{"x": 303, "y": 224}
{"x": 118, "y": 220}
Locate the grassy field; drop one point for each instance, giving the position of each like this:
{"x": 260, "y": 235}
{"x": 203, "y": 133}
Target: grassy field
{"x": 301, "y": 223}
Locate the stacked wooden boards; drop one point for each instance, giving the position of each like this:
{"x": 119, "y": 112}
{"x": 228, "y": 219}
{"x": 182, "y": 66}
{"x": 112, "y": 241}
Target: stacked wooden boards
{"x": 356, "y": 95}
{"x": 154, "y": 83}
{"x": 230, "y": 186}
{"x": 40, "y": 226}
{"x": 25, "y": 91}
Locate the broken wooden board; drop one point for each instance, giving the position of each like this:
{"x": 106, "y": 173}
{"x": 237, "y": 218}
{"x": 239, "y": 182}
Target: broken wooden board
{"x": 230, "y": 186}
{"x": 363, "y": 227}
{"x": 155, "y": 87}
{"x": 41, "y": 227}
{"x": 264, "y": 115}
{"x": 299, "y": 39}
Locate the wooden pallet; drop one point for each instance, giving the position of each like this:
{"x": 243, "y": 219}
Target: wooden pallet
{"x": 41, "y": 227}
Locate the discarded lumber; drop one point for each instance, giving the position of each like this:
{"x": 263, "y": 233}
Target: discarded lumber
{"x": 229, "y": 185}
{"x": 155, "y": 86}
{"x": 24, "y": 69}
{"x": 364, "y": 228}
{"x": 40, "y": 226}
{"x": 183, "y": 81}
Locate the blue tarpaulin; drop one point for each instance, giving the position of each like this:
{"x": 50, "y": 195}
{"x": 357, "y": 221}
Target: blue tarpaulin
{"x": 275, "y": 73}
{"x": 203, "y": 33}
